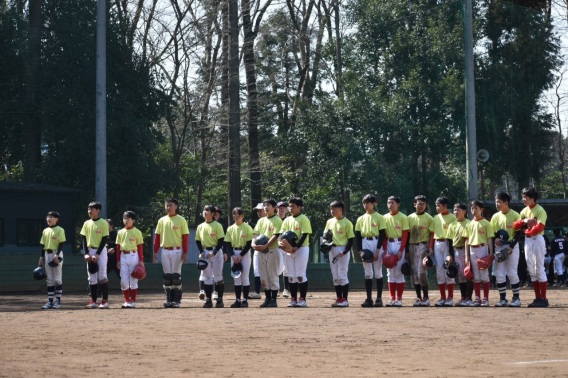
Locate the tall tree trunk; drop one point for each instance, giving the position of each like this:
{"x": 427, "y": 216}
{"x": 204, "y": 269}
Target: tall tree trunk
{"x": 234, "y": 109}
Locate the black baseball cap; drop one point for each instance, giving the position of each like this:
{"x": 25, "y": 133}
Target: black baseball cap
{"x": 218, "y": 210}
{"x": 282, "y": 203}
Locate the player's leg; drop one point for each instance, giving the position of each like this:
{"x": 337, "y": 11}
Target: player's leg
{"x": 450, "y": 282}
{"x": 264, "y": 280}
{"x": 93, "y": 283}
{"x": 103, "y": 278}
{"x": 58, "y": 281}
{"x": 273, "y": 270}
{"x": 440, "y": 271}
{"x": 399, "y": 278}
{"x": 511, "y": 267}
{"x": 476, "y": 276}
{"x": 561, "y": 271}
{"x": 302, "y": 257}
{"x": 378, "y": 266}
{"x": 177, "y": 262}
{"x": 484, "y": 275}
{"x": 257, "y": 282}
{"x": 292, "y": 279}
{"x": 50, "y": 281}
{"x": 168, "y": 270}
{"x": 343, "y": 275}
{"x": 539, "y": 250}
{"x": 501, "y": 279}
{"x": 286, "y": 292}
{"x": 459, "y": 258}
{"x": 201, "y": 288}
{"x": 335, "y": 274}
{"x": 413, "y": 256}
{"x": 133, "y": 263}
{"x": 371, "y": 245}
{"x": 125, "y": 280}
{"x": 207, "y": 275}
{"x": 237, "y": 282}
{"x": 422, "y": 251}
{"x": 245, "y": 277}
{"x": 391, "y": 279}
{"x": 217, "y": 261}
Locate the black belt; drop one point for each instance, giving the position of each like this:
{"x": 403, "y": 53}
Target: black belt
{"x": 395, "y": 239}
{"x": 418, "y": 243}
{"x": 370, "y": 237}
{"x": 49, "y": 250}
{"x": 239, "y": 249}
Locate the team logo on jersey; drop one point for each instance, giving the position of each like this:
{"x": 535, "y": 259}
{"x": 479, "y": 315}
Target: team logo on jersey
{"x": 98, "y": 232}
{"x": 212, "y": 235}
{"x": 339, "y": 231}
{"x": 270, "y": 228}
{"x": 54, "y": 237}
{"x": 481, "y": 231}
{"x": 243, "y": 236}
{"x": 297, "y": 228}
{"x": 397, "y": 227}
{"x": 132, "y": 239}
{"x": 445, "y": 227}
{"x": 175, "y": 227}
{"x": 509, "y": 226}
{"x": 373, "y": 225}
{"x": 424, "y": 227}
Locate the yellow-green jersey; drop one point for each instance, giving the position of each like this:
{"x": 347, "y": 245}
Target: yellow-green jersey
{"x": 299, "y": 225}
{"x": 239, "y": 235}
{"x": 440, "y": 225}
{"x": 536, "y": 212}
{"x": 456, "y": 231}
{"x": 129, "y": 239}
{"x": 268, "y": 227}
{"x": 94, "y": 232}
{"x": 419, "y": 228}
{"x": 395, "y": 225}
{"x": 370, "y": 225}
{"x": 500, "y": 221}
{"x": 171, "y": 231}
{"x": 478, "y": 231}
{"x": 342, "y": 230}
{"x": 209, "y": 234}
{"x": 51, "y": 237}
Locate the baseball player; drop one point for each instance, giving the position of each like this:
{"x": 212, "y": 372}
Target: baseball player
{"x": 395, "y": 243}
{"x": 418, "y": 240}
{"x": 370, "y": 234}
{"x": 504, "y": 220}
{"x": 343, "y": 235}
{"x": 282, "y": 207}
{"x": 129, "y": 254}
{"x": 439, "y": 247}
{"x": 479, "y": 243}
{"x": 557, "y": 253}
{"x": 209, "y": 238}
{"x": 256, "y": 295}
{"x": 268, "y": 254}
{"x": 52, "y": 240}
{"x": 172, "y": 239}
{"x": 94, "y": 235}
{"x": 238, "y": 241}
{"x": 457, "y": 249}
{"x": 533, "y": 216}
{"x": 297, "y": 257}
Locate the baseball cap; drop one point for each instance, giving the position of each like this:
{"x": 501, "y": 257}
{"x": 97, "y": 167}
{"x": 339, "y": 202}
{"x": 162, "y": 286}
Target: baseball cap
{"x": 282, "y": 203}
{"x": 218, "y": 210}
{"x": 260, "y": 206}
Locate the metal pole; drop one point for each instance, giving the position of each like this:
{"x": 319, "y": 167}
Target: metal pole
{"x": 471, "y": 138}
{"x": 338, "y": 48}
{"x": 101, "y": 174}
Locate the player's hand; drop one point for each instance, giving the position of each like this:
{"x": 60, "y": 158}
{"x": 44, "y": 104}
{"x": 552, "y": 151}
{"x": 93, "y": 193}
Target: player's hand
{"x": 510, "y": 250}
{"x": 118, "y": 265}
{"x": 155, "y": 257}
{"x": 210, "y": 255}
{"x": 183, "y": 257}
{"x": 384, "y": 254}
{"x": 399, "y": 255}
{"x": 253, "y": 246}
{"x": 142, "y": 263}
{"x": 110, "y": 251}
{"x": 235, "y": 259}
{"x": 530, "y": 222}
{"x": 55, "y": 259}
{"x": 87, "y": 258}
{"x": 225, "y": 257}
{"x": 40, "y": 263}
{"x": 498, "y": 242}
{"x": 376, "y": 255}
{"x": 261, "y": 248}
{"x": 430, "y": 251}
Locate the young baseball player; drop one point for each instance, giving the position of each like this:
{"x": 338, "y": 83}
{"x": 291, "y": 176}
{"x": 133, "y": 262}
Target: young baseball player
{"x": 216, "y": 216}
{"x": 297, "y": 257}
{"x": 533, "y": 219}
{"x": 94, "y": 235}
{"x": 172, "y": 239}
{"x": 370, "y": 234}
{"x": 557, "y": 253}
{"x": 268, "y": 256}
{"x": 52, "y": 239}
{"x": 343, "y": 235}
{"x": 238, "y": 241}
{"x": 209, "y": 238}
{"x": 439, "y": 247}
{"x": 419, "y": 240}
{"x": 395, "y": 243}
{"x": 256, "y": 295}
{"x": 282, "y": 210}
{"x": 457, "y": 249}
{"x": 479, "y": 243}
{"x": 504, "y": 220}
{"x": 129, "y": 254}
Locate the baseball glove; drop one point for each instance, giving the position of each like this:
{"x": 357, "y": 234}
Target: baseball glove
{"x": 502, "y": 254}
{"x": 427, "y": 261}
{"x": 452, "y": 270}
{"x": 485, "y": 262}
{"x": 367, "y": 255}
{"x": 468, "y": 272}
{"x": 405, "y": 269}
{"x": 93, "y": 267}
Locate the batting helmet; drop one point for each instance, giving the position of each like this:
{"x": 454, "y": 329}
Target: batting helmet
{"x": 405, "y": 268}
{"x": 468, "y": 272}
{"x": 93, "y": 267}
{"x": 484, "y": 262}
{"x": 503, "y": 235}
{"x": 502, "y": 254}
{"x": 202, "y": 264}
{"x": 261, "y": 240}
{"x": 290, "y": 237}
{"x": 236, "y": 270}
{"x": 390, "y": 260}
{"x": 452, "y": 270}
{"x": 39, "y": 273}
{"x": 139, "y": 272}
{"x": 427, "y": 261}
{"x": 53, "y": 264}
{"x": 367, "y": 255}
{"x": 325, "y": 247}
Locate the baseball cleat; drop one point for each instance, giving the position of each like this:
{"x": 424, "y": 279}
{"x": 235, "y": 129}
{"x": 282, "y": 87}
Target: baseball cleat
{"x": 254, "y": 296}
{"x": 397, "y": 303}
{"x": 417, "y": 302}
{"x": 367, "y": 303}
{"x": 125, "y": 305}
{"x": 132, "y": 304}
{"x": 48, "y": 305}
{"x": 176, "y": 304}
{"x": 219, "y": 303}
{"x": 515, "y": 303}
{"x": 104, "y": 305}
{"x": 236, "y": 304}
{"x": 425, "y": 302}
{"x": 215, "y": 295}
{"x": 449, "y": 303}
{"x": 244, "y": 304}
{"x": 293, "y": 303}
{"x": 475, "y": 303}
{"x": 440, "y": 303}
{"x": 57, "y": 305}
{"x": 265, "y": 303}
{"x": 286, "y": 294}
{"x": 336, "y": 303}
{"x": 272, "y": 303}
{"x": 92, "y": 304}
{"x": 167, "y": 304}
{"x": 502, "y": 303}
{"x": 390, "y": 303}
{"x": 202, "y": 295}
{"x": 302, "y": 303}
{"x": 379, "y": 303}
{"x": 485, "y": 302}
{"x": 208, "y": 304}
{"x": 533, "y": 304}
{"x": 459, "y": 303}
{"x": 545, "y": 303}
{"x": 344, "y": 303}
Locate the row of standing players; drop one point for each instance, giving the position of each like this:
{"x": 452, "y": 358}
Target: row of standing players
{"x": 411, "y": 238}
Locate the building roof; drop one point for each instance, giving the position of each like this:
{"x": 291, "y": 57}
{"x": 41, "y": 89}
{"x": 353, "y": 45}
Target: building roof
{"x": 30, "y": 187}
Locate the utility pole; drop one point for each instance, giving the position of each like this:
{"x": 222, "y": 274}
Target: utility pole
{"x": 101, "y": 171}
{"x": 234, "y": 109}
{"x": 335, "y": 5}
{"x": 471, "y": 137}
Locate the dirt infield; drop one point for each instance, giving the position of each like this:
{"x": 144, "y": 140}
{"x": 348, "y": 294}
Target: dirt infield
{"x": 317, "y": 341}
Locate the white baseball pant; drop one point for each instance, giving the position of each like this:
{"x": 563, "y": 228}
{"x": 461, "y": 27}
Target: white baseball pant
{"x": 459, "y": 257}
{"x": 297, "y": 264}
{"x": 558, "y": 263}
{"x": 268, "y": 267}
{"x": 255, "y": 264}
{"x": 244, "y": 278}
{"x": 101, "y": 275}
{"x": 340, "y": 269}
{"x": 214, "y": 271}
{"x": 282, "y": 269}
{"x": 128, "y": 262}
{"x": 417, "y": 253}
{"x": 477, "y": 253}
{"x": 371, "y": 245}
{"x": 394, "y": 275}
{"x": 54, "y": 274}
{"x": 508, "y": 267}
{"x": 171, "y": 260}
{"x": 441, "y": 251}
{"x": 535, "y": 249}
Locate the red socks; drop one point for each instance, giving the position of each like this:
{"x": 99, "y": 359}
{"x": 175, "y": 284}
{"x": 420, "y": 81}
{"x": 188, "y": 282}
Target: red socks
{"x": 400, "y": 290}
{"x": 536, "y": 287}
{"x": 451, "y": 291}
{"x": 442, "y": 288}
{"x": 477, "y": 289}
{"x": 126, "y": 295}
{"x": 130, "y": 295}
{"x": 543, "y": 287}
{"x": 392, "y": 289}
{"x": 486, "y": 286}
{"x": 133, "y": 294}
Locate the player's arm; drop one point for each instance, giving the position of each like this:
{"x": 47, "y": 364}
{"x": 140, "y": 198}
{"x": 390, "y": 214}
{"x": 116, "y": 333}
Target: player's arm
{"x": 141, "y": 254}
{"x": 348, "y": 246}
{"x": 466, "y": 250}
{"x": 490, "y": 243}
{"x": 451, "y": 249}
{"x": 219, "y": 246}
{"x": 359, "y": 240}
{"x": 199, "y": 246}
{"x": 431, "y": 249}
{"x": 41, "y": 256}
{"x": 228, "y": 248}
{"x": 382, "y": 238}
{"x": 246, "y": 248}
{"x": 535, "y": 229}
{"x": 102, "y": 245}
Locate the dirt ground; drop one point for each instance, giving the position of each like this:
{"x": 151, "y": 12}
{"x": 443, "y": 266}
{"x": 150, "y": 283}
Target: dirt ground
{"x": 317, "y": 341}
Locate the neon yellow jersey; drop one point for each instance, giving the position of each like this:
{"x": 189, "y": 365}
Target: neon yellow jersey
{"x": 478, "y": 231}
{"x": 500, "y": 221}
{"x": 419, "y": 227}
{"x": 300, "y": 225}
{"x": 129, "y": 239}
{"x": 268, "y": 227}
{"x": 440, "y": 225}
{"x": 51, "y": 237}
{"x": 370, "y": 224}
{"x": 238, "y": 236}
{"x": 456, "y": 231}
{"x": 396, "y": 224}
{"x": 171, "y": 230}
{"x": 94, "y": 231}
{"x": 536, "y": 212}
{"x": 342, "y": 230}
{"x": 209, "y": 234}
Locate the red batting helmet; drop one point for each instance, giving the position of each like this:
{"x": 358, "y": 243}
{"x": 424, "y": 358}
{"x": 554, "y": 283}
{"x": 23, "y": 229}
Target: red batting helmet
{"x": 484, "y": 262}
{"x": 468, "y": 272}
{"x": 390, "y": 260}
{"x": 139, "y": 272}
